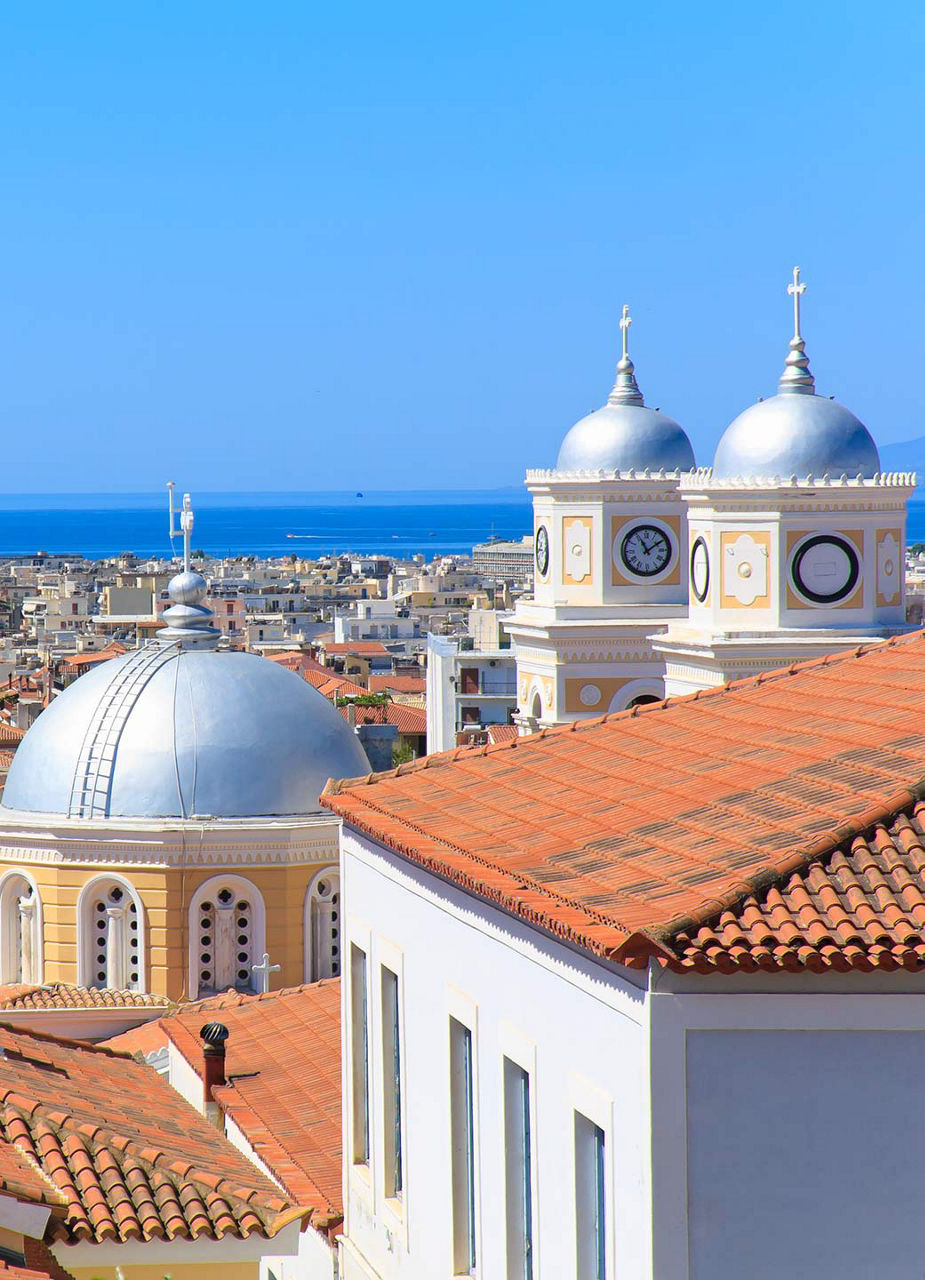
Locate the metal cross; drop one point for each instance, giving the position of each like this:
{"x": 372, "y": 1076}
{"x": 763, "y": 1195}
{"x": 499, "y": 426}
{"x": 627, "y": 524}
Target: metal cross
{"x": 625, "y": 322}
{"x": 797, "y": 289}
{"x": 263, "y": 971}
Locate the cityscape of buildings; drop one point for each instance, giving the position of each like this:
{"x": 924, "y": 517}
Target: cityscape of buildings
{"x": 516, "y": 914}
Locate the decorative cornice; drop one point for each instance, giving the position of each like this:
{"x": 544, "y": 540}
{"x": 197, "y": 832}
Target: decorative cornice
{"x": 703, "y": 478}
{"x": 551, "y": 476}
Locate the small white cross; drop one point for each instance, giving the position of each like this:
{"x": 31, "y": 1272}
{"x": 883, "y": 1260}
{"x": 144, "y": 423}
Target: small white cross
{"x": 263, "y": 970}
{"x": 797, "y": 289}
{"x": 625, "y": 322}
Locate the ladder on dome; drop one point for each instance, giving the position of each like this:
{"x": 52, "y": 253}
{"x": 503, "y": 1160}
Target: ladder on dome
{"x": 93, "y": 772}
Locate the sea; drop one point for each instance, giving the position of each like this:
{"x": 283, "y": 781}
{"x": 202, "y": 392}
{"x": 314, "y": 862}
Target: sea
{"x": 402, "y": 524}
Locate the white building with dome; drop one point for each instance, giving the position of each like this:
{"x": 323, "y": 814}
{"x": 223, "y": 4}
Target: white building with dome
{"x": 797, "y": 539}
{"x": 161, "y": 828}
{"x": 611, "y": 557}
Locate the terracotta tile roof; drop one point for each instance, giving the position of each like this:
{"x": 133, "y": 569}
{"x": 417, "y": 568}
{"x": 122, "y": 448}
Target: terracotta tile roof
{"x": 61, "y": 995}
{"x": 283, "y": 1069}
{"x": 333, "y": 686}
{"x": 411, "y": 720}
{"x": 358, "y": 648}
{"x": 501, "y": 733}
{"x": 113, "y": 650}
{"x": 397, "y": 684}
{"x": 631, "y": 834}
{"x": 10, "y": 734}
{"x": 296, "y": 661}
{"x": 23, "y": 1181}
{"x": 126, "y": 1171}
{"x": 10, "y": 1271}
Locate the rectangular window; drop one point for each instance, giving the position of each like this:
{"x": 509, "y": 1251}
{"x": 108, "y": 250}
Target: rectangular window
{"x": 391, "y": 1084}
{"x": 518, "y": 1172}
{"x": 359, "y": 1055}
{"x": 590, "y": 1207}
{"x": 462, "y": 1148}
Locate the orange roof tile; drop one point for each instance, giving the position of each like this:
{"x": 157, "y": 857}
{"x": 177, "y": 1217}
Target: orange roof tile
{"x": 630, "y": 834}
{"x": 358, "y": 648}
{"x": 126, "y": 1171}
{"x": 397, "y": 684}
{"x": 333, "y": 686}
{"x": 10, "y": 734}
{"x": 283, "y": 1069}
{"x": 411, "y": 720}
{"x": 11, "y": 1271}
{"x": 62, "y": 995}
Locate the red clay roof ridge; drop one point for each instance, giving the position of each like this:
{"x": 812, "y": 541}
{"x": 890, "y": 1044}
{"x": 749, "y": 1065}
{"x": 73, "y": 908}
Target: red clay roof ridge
{"x": 70, "y": 1041}
{"x": 757, "y": 885}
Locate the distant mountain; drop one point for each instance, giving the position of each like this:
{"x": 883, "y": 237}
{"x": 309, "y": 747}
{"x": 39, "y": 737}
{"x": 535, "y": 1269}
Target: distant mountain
{"x": 909, "y": 455}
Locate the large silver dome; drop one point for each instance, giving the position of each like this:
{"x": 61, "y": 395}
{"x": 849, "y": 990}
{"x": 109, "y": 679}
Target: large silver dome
{"x": 623, "y": 434}
{"x": 175, "y": 732}
{"x": 620, "y": 436}
{"x": 796, "y": 435}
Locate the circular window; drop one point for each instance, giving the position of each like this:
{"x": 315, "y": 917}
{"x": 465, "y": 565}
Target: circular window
{"x": 826, "y": 569}
{"x": 700, "y": 569}
{"x": 542, "y": 551}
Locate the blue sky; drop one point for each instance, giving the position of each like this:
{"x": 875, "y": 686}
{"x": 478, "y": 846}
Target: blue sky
{"x": 306, "y": 246}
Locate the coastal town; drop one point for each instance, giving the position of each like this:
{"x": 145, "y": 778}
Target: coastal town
{"x": 460, "y": 818}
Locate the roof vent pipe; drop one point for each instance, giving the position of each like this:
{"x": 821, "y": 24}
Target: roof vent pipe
{"x": 213, "y": 1035}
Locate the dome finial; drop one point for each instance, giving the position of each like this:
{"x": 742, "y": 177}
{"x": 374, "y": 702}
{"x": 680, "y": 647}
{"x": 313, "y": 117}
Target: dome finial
{"x": 188, "y": 619}
{"x": 625, "y": 389}
{"x": 796, "y": 377}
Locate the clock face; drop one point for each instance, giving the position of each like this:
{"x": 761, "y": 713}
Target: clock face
{"x": 542, "y": 550}
{"x": 700, "y": 569}
{"x": 826, "y": 568}
{"x": 645, "y": 550}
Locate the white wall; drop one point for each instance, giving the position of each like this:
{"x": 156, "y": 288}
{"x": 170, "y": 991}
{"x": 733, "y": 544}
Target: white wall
{"x": 788, "y": 1132}
{"x": 805, "y": 1154}
{"x": 581, "y": 1031}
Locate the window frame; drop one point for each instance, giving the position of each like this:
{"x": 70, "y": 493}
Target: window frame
{"x": 207, "y": 889}
{"x": 395, "y": 1207}
{"x": 521, "y": 1052}
{"x": 463, "y": 1140}
{"x": 463, "y": 1013}
{"x": 85, "y": 934}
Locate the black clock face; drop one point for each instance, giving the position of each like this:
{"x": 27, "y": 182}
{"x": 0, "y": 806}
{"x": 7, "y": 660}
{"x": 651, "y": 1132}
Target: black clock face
{"x": 542, "y": 550}
{"x": 826, "y": 569}
{"x": 645, "y": 550}
{"x": 700, "y": 569}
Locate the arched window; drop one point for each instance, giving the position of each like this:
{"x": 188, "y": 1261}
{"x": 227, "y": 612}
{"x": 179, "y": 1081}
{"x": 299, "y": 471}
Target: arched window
{"x": 227, "y": 936}
{"x": 322, "y": 926}
{"x": 642, "y": 700}
{"x": 20, "y": 929}
{"x": 110, "y": 925}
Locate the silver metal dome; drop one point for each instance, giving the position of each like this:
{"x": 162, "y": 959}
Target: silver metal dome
{"x": 176, "y": 731}
{"x": 618, "y": 437}
{"x": 623, "y": 433}
{"x": 796, "y": 432}
{"x": 796, "y": 435}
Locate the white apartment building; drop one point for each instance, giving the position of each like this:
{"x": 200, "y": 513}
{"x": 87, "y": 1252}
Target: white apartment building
{"x": 471, "y": 680}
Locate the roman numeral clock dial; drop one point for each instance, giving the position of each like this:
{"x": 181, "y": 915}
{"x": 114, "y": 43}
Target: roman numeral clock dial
{"x": 645, "y": 550}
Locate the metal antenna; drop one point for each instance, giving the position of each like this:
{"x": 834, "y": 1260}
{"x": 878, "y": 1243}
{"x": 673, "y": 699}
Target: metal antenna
{"x": 171, "y": 484}
{"x": 186, "y": 524}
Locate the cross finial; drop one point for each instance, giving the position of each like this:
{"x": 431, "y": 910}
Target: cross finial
{"x": 797, "y": 290}
{"x": 263, "y": 971}
{"x": 625, "y": 321}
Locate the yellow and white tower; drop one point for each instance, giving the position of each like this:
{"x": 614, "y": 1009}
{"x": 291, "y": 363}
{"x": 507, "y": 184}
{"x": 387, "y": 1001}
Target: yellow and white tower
{"x": 797, "y": 539}
{"x": 611, "y": 553}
